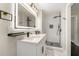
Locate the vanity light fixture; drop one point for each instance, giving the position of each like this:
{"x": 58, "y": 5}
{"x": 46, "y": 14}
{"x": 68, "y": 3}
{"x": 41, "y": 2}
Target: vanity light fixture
{"x": 34, "y": 7}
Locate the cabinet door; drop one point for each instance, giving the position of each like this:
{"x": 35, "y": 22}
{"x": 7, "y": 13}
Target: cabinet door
{"x": 41, "y": 48}
{"x": 26, "y": 49}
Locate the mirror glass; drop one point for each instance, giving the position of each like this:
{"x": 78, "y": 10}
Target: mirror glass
{"x": 24, "y": 18}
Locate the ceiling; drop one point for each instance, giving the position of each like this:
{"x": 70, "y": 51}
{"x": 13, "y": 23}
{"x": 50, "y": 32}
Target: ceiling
{"x": 52, "y": 7}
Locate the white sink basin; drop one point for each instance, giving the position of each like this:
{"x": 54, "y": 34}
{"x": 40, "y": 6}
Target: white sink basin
{"x": 33, "y": 38}
{"x": 36, "y": 36}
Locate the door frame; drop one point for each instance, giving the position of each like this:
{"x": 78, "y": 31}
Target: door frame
{"x": 68, "y": 28}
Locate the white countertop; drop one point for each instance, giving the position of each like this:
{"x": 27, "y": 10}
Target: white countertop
{"x": 33, "y": 38}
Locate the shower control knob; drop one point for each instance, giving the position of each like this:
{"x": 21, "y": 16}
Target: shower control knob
{"x": 60, "y": 30}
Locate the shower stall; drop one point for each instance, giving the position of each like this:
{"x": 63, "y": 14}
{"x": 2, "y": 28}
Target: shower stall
{"x": 53, "y": 30}
{"x": 57, "y": 31}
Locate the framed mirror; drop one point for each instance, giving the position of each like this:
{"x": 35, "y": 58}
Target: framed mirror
{"x": 5, "y": 16}
{"x": 24, "y": 18}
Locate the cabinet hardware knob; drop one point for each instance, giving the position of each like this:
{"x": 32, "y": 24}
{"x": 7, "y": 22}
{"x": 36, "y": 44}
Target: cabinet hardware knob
{"x": 42, "y": 49}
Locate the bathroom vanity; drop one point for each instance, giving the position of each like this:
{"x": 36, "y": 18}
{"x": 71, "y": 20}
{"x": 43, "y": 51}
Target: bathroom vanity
{"x": 31, "y": 46}
{"x": 29, "y": 18}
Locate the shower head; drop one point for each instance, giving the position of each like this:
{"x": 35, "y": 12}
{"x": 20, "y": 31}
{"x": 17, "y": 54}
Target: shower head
{"x": 58, "y": 15}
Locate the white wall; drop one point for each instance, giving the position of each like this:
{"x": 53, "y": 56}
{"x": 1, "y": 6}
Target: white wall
{"x": 39, "y": 21}
{"x": 7, "y": 44}
{"x": 44, "y": 22}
